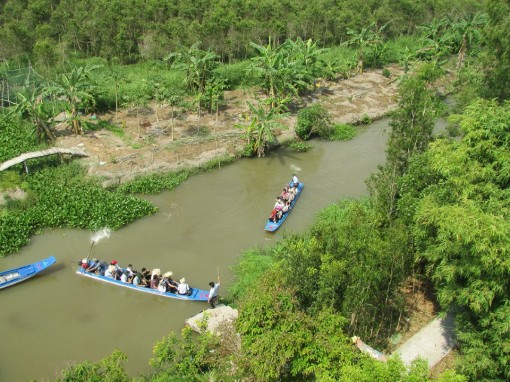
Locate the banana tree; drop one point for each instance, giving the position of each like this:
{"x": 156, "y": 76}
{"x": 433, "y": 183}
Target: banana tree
{"x": 268, "y": 65}
{"x": 467, "y": 32}
{"x": 76, "y": 88}
{"x": 32, "y": 106}
{"x": 259, "y": 132}
{"x": 198, "y": 65}
{"x": 364, "y": 39}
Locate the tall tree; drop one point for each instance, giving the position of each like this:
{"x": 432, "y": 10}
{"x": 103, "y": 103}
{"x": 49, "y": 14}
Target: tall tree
{"x": 497, "y": 39}
{"x": 457, "y": 196}
{"x": 411, "y": 132}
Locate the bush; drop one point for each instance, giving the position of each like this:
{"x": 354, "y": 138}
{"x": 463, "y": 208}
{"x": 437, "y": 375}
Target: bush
{"x": 343, "y": 132}
{"x": 15, "y": 231}
{"x": 16, "y": 137}
{"x": 313, "y": 120}
{"x": 299, "y": 146}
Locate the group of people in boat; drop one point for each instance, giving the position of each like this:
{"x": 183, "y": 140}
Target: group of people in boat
{"x": 284, "y": 200}
{"x": 153, "y": 279}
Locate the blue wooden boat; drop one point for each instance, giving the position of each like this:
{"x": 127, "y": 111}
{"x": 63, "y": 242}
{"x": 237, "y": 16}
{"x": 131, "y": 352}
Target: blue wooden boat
{"x": 17, "y": 275}
{"x": 196, "y": 294}
{"x": 272, "y": 226}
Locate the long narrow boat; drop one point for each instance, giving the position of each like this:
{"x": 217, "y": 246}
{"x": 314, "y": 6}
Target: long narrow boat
{"x": 272, "y": 226}
{"x": 196, "y": 294}
{"x": 17, "y": 275}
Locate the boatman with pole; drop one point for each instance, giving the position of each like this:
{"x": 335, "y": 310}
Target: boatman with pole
{"x": 214, "y": 292}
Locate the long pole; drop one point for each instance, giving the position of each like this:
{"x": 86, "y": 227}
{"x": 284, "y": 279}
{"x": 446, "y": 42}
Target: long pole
{"x": 90, "y": 251}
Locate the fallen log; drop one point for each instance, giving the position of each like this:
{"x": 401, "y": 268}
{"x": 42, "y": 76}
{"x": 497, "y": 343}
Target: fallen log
{"x": 37, "y": 154}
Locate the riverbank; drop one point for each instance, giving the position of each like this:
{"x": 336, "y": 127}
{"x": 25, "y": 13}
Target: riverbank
{"x": 158, "y": 138}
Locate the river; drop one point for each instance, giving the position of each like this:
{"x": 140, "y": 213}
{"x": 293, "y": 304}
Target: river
{"x": 59, "y": 318}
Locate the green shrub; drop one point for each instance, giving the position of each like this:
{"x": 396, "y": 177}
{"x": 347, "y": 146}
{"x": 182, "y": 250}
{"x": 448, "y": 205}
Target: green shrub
{"x": 65, "y": 198}
{"x": 365, "y": 120}
{"x": 16, "y": 137}
{"x": 15, "y": 231}
{"x": 154, "y": 183}
{"x": 386, "y": 73}
{"x": 343, "y": 132}
{"x": 299, "y": 146}
{"x": 313, "y": 120}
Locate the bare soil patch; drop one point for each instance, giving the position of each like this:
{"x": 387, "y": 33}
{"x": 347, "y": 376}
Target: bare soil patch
{"x": 152, "y": 141}
{"x": 422, "y": 308}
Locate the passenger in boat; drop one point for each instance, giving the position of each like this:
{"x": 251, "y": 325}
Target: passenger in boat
{"x": 146, "y": 274}
{"x": 286, "y": 207}
{"x": 103, "y": 265}
{"x": 167, "y": 284}
{"x": 94, "y": 266}
{"x": 155, "y": 278}
{"x": 279, "y": 203}
{"x": 285, "y": 194}
{"x": 139, "y": 280}
{"x": 213, "y": 293}
{"x": 292, "y": 193}
{"x": 295, "y": 180}
{"x": 84, "y": 264}
{"x": 130, "y": 271}
{"x": 273, "y": 216}
{"x": 278, "y": 206}
{"x": 125, "y": 277}
{"x": 110, "y": 272}
{"x": 183, "y": 288}
{"x": 118, "y": 269}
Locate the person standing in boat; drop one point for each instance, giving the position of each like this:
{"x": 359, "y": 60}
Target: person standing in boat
{"x": 295, "y": 180}
{"x": 214, "y": 292}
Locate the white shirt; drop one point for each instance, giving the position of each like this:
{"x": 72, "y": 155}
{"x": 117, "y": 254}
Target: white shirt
{"x": 183, "y": 288}
{"x": 214, "y": 290}
{"x": 109, "y": 272}
{"x": 295, "y": 179}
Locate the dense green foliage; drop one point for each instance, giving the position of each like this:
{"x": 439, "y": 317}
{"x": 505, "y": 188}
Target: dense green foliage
{"x": 314, "y": 120}
{"x": 412, "y": 125}
{"x": 108, "y": 369}
{"x": 50, "y": 31}
{"x": 155, "y": 183}
{"x": 498, "y": 54}
{"x": 438, "y": 208}
{"x": 63, "y": 197}
{"x": 16, "y": 137}
{"x": 459, "y": 194}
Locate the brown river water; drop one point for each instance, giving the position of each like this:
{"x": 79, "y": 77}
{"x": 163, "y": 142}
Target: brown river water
{"x": 59, "y": 318}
